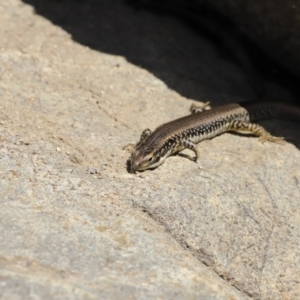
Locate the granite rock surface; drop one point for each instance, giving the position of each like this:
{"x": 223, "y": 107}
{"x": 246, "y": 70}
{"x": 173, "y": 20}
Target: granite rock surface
{"x": 78, "y": 81}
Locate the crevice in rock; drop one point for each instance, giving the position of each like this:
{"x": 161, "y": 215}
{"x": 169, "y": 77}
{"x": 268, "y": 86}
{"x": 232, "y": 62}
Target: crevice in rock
{"x": 203, "y": 258}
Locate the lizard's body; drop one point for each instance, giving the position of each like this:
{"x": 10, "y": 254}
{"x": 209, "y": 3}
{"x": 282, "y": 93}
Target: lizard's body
{"x": 186, "y": 132}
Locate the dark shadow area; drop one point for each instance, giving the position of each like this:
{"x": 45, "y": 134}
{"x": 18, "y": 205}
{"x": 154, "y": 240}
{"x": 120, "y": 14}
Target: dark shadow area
{"x": 232, "y": 44}
{"x": 151, "y": 41}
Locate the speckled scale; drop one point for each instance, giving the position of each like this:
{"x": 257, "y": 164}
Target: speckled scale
{"x": 207, "y": 124}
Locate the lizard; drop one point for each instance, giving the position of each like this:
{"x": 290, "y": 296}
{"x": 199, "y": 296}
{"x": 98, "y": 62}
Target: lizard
{"x": 204, "y": 123}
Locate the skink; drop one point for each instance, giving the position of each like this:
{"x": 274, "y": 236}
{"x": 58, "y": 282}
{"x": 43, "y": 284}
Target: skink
{"x": 172, "y": 137}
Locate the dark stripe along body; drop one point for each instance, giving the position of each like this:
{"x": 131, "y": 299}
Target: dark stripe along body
{"x": 173, "y": 136}
{"x": 207, "y": 124}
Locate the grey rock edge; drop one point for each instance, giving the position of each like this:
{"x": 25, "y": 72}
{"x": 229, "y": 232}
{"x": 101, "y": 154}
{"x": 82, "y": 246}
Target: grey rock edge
{"x": 75, "y": 225}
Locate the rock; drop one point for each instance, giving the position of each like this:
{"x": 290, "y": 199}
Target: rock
{"x": 226, "y": 228}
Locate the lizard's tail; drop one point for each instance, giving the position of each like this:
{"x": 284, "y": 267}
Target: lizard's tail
{"x": 260, "y": 110}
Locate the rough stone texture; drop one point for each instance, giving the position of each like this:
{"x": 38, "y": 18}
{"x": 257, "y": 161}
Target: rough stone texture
{"x": 74, "y": 224}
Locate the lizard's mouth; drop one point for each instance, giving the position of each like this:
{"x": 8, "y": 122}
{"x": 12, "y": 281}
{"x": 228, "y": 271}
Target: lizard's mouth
{"x": 138, "y": 163}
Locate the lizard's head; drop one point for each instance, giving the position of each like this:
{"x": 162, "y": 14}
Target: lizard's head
{"x": 143, "y": 159}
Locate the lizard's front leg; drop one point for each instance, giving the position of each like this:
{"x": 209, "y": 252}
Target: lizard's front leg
{"x": 145, "y": 134}
{"x": 183, "y": 144}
